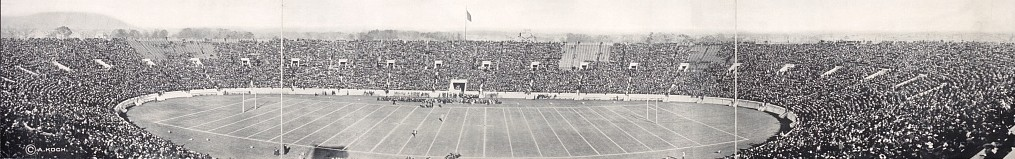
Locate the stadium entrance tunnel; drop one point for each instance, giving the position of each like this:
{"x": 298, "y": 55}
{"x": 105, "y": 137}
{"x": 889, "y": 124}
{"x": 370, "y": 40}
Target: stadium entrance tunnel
{"x": 344, "y": 123}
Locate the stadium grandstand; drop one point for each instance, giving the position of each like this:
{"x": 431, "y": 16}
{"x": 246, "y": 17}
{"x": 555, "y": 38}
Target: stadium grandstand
{"x": 892, "y": 99}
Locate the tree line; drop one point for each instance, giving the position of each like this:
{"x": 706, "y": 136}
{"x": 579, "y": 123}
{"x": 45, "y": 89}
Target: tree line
{"x": 186, "y": 33}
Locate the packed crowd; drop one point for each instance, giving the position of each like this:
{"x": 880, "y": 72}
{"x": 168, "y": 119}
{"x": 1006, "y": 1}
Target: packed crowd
{"x": 839, "y": 113}
{"x": 843, "y": 114}
{"x": 61, "y": 114}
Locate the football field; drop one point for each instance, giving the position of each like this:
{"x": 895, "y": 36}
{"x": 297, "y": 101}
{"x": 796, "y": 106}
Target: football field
{"x": 244, "y": 127}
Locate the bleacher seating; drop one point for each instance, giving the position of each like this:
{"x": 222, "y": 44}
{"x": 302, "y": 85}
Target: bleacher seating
{"x": 838, "y": 114}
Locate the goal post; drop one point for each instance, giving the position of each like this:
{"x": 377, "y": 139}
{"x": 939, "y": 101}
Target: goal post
{"x": 655, "y": 109}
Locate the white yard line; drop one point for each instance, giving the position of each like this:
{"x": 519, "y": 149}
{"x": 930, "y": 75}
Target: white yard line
{"x": 372, "y": 127}
{"x": 619, "y": 154}
{"x": 600, "y": 130}
{"x": 484, "y": 130}
{"x": 576, "y": 130}
{"x": 267, "y": 141}
{"x": 312, "y": 121}
{"x": 290, "y": 120}
{"x": 417, "y": 128}
{"x": 642, "y": 128}
{"x": 251, "y": 117}
{"x": 710, "y": 126}
{"x": 621, "y": 129}
{"x": 379, "y": 107}
{"x": 427, "y": 153}
{"x": 667, "y": 129}
{"x": 247, "y": 126}
{"x": 531, "y": 134}
{"x": 333, "y": 122}
{"x": 507, "y": 119}
{"x": 202, "y": 111}
{"x": 465, "y": 120}
{"x": 400, "y": 123}
{"x": 554, "y": 132}
{"x": 395, "y": 155}
{"x": 461, "y": 131}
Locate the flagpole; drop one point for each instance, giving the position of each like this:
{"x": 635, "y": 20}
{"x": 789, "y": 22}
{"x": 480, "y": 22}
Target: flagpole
{"x": 465, "y": 35}
{"x": 736, "y": 59}
{"x": 281, "y": 83}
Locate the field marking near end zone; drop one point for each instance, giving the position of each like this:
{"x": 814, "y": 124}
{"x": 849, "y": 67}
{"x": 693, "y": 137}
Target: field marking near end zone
{"x": 290, "y": 120}
{"x": 507, "y": 119}
{"x": 266, "y": 112}
{"x": 312, "y": 121}
{"x": 710, "y": 126}
{"x": 527, "y": 124}
{"x": 600, "y": 130}
{"x": 630, "y": 153}
{"x": 554, "y": 132}
{"x": 484, "y": 129}
{"x": 642, "y": 128}
{"x": 371, "y": 127}
{"x": 397, "y": 155}
{"x": 598, "y": 106}
{"x": 664, "y": 127}
{"x": 379, "y": 122}
{"x": 241, "y": 101}
{"x": 417, "y": 127}
{"x": 230, "y": 116}
{"x": 400, "y": 123}
{"x": 461, "y": 131}
{"x": 427, "y": 153}
{"x": 576, "y": 130}
{"x": 350, "y": 125}
{"x": 251, "y": 117}
{"x": 622, "y": 129}
{"x": 332, "y": 122}
{"x": 531, "y": 134}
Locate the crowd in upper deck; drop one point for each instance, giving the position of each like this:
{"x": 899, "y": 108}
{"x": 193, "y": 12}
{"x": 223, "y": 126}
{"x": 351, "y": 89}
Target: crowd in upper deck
{"x": 840, "y": 113}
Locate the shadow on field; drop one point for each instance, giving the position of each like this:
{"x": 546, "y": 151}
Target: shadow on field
{"x": 328, "y": 152}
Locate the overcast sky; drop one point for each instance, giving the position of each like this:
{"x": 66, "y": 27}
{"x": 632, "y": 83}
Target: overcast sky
{"x": 590, "y": 16}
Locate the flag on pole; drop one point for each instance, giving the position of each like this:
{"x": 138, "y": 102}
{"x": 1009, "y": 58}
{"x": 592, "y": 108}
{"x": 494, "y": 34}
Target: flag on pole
{"x": 468, "y": 16}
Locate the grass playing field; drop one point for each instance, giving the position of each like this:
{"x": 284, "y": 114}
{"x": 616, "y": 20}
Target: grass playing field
{"x": 218, "y": 125}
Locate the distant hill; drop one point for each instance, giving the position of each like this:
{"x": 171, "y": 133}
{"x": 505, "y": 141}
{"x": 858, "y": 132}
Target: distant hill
{"x": 73, "y": 20}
